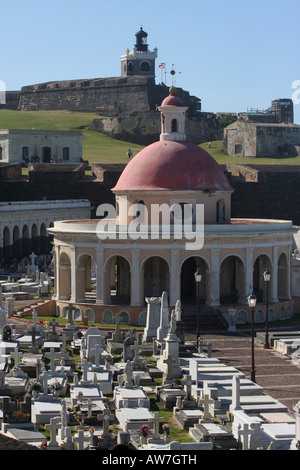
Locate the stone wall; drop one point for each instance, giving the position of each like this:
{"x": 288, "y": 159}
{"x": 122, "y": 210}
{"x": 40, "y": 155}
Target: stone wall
{"x": 145, "y": 128}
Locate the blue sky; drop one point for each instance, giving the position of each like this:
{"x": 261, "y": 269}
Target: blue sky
{"x": 233, "y": 54}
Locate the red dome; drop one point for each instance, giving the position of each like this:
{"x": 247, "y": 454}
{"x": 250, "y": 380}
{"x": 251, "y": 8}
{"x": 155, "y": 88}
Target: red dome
{"x": 173, "y": 100}
{"x": 172, "y": 165}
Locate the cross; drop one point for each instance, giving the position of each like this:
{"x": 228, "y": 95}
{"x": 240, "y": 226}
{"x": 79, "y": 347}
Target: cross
{"x": 34, "y": 316}
{"x": 53, "y": 426}
{"x": 53, "y": 323}
{"x": 70, "y": 310}
{"x": 135, "y": 348}
{"x": 97, "y": 353}
{"x": 44, "y": 377}
{"x": 245, "y": 434}
{"x": 188, "y": 385}
{"x": 84, "y": 365}
{"x": 17, "y": 355}
{"x": 205, "y": 402}
{"x": 52, "y": 359}
{"x": 105, "y": 416}
{"x": 156, "y": 420}
{"x": 170, "y": 362}
{"x": 81, "y": 439}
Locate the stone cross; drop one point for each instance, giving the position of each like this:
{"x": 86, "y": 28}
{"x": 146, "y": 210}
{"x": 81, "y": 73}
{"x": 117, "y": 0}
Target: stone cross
{"x": 52, "y": 359}
{"x": 34, "y": 317}
{"x": 44, "y": 377}
{"x": 135, "y": 348}
{"x": 53, "y": 426}
{"x": 162, "y": 330}
{"x": 81, "y": 439}
{"x": 84, "y": 365}
{"x": 169, "y": 369}
{"x": 245, "y": 434}
{"x": 187, "y": 381}
{"x": 105, "y": 416}
{"x": 70, "y": 310}
{"x": 97, "y": 353}
{"x": 17, "y": 356}
{"x": 205, "y": 402}
{"x": 156, "y": 420}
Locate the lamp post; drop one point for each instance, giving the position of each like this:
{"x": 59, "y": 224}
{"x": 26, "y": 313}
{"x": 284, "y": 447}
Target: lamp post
{"x": 252, "y": 304}
{"x": 198, "y": 277}
{"x": 267, "y": 279}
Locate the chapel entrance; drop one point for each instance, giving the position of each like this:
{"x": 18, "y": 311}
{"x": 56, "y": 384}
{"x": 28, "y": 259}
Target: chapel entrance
{"x": 46, "y": 154}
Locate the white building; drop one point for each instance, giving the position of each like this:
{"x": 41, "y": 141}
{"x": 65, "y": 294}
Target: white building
{"x": 44, "y": 146}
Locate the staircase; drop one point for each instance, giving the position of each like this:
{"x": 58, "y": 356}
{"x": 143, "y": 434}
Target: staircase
{"x": 211, "y": 319}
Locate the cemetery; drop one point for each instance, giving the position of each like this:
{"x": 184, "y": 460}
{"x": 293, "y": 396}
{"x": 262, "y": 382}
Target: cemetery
{"x": 74, "y": 392}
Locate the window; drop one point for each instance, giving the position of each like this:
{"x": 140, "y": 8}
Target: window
{"x": 238, "y": 149}
{"x": 25, "y": 153}
{"x": 145, "y": 66}
{"x": 221, "y": 212}
{"x": 66, "y": 153}
{"x": 174, "y": 125}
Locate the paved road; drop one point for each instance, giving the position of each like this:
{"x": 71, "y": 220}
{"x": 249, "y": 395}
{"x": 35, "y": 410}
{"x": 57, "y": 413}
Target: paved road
{"x": 276, "y": 373}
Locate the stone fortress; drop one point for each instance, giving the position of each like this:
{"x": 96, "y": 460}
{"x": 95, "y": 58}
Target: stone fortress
{"x": 129, "y": 102}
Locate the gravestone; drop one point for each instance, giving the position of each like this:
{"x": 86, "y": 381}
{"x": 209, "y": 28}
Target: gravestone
{"x": 162, "y": 330}
{"x": 153, "y": 318}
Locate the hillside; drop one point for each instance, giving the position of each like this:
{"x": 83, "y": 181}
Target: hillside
{"x": 99, "y": 147}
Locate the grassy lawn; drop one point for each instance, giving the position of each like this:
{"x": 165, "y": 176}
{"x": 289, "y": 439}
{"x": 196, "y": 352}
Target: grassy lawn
{"x": 100, "y": 148}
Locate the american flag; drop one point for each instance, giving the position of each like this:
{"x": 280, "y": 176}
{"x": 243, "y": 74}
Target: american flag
{"x": 162, "y": 65}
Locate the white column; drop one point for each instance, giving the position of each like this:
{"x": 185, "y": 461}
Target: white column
{"x": 135, "y": 284}
{"x": 249, "y": 271}
{"x": 215, "y": 278}
{"x": 289, "y": 257}
{"x": 175, "y": 278}
{"x": 73, "y": 276}
{"x": 100, "y": 277}
{"x": 274, "y": 280}
{"x": 57, "y": 281}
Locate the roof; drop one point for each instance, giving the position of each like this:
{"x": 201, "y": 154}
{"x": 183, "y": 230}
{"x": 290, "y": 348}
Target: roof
{"x": 172, "y": 165}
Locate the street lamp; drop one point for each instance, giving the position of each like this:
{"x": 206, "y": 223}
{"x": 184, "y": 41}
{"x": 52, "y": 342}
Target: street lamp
{"x": 267, "y": 278}
{"x": 198, "y": 277}
{"x": 252, "y": 304}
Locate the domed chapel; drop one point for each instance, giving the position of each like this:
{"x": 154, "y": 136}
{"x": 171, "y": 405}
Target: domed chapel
{"x": 172, "y": 216}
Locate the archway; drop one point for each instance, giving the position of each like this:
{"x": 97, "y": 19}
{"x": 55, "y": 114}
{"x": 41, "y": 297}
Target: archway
{"x": 188, "y": 284}
{"x": 156, "y": 277}
{"x": 118, "y": 280}
{"x": 44, "y": 240}
{"x": 16, "y": 242}
{"x": 34, "y": 239}
{"x": 7, "y": 248}
{"x": 261, "y": 263}
{"x": 25, "y": 240}
{"x": 232, "y": 280}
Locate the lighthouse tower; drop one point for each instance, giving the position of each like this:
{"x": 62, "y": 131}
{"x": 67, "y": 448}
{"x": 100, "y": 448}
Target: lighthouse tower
{"x": 139, "y": 61}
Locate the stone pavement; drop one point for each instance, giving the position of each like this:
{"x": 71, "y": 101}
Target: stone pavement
{"x": 276, "y": 373}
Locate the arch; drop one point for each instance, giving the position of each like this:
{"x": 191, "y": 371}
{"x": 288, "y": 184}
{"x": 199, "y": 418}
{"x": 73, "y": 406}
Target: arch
{"x": 25, "y": 240}
{"x": 187, "y": 280}
{"x": 232, "y": 280}
{"x": 124, "y": 317}
{"x": 7, "y": 243}
{"x": 282, "y": 313}
{"x": 77, "y": 314}
{"x": 259, "y": 316}
{"x": 145, "y": 66}
{"x": 64, "y": 267}
{"x": 117, "y": 282}
{"x": 107, "y": 317}
{"x": 16, "y": 242}
{"x": 261, "y": 263}
{"x": 174, "y": 125}
{"x": 272, "y": 314}
{"x": 85, "y": 291}
{"x": 156, "y": 274}
{"x": 90, "y": 314}
{"x": 221, "y": 211}
{"x": 282, "y": 279}
{"x": 242, "y": 317}
{"x": 34, "y": 239}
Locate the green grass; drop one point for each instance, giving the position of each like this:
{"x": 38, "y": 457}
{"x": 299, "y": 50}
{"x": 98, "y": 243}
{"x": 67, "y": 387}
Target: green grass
{"x": 100, "y": 148}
